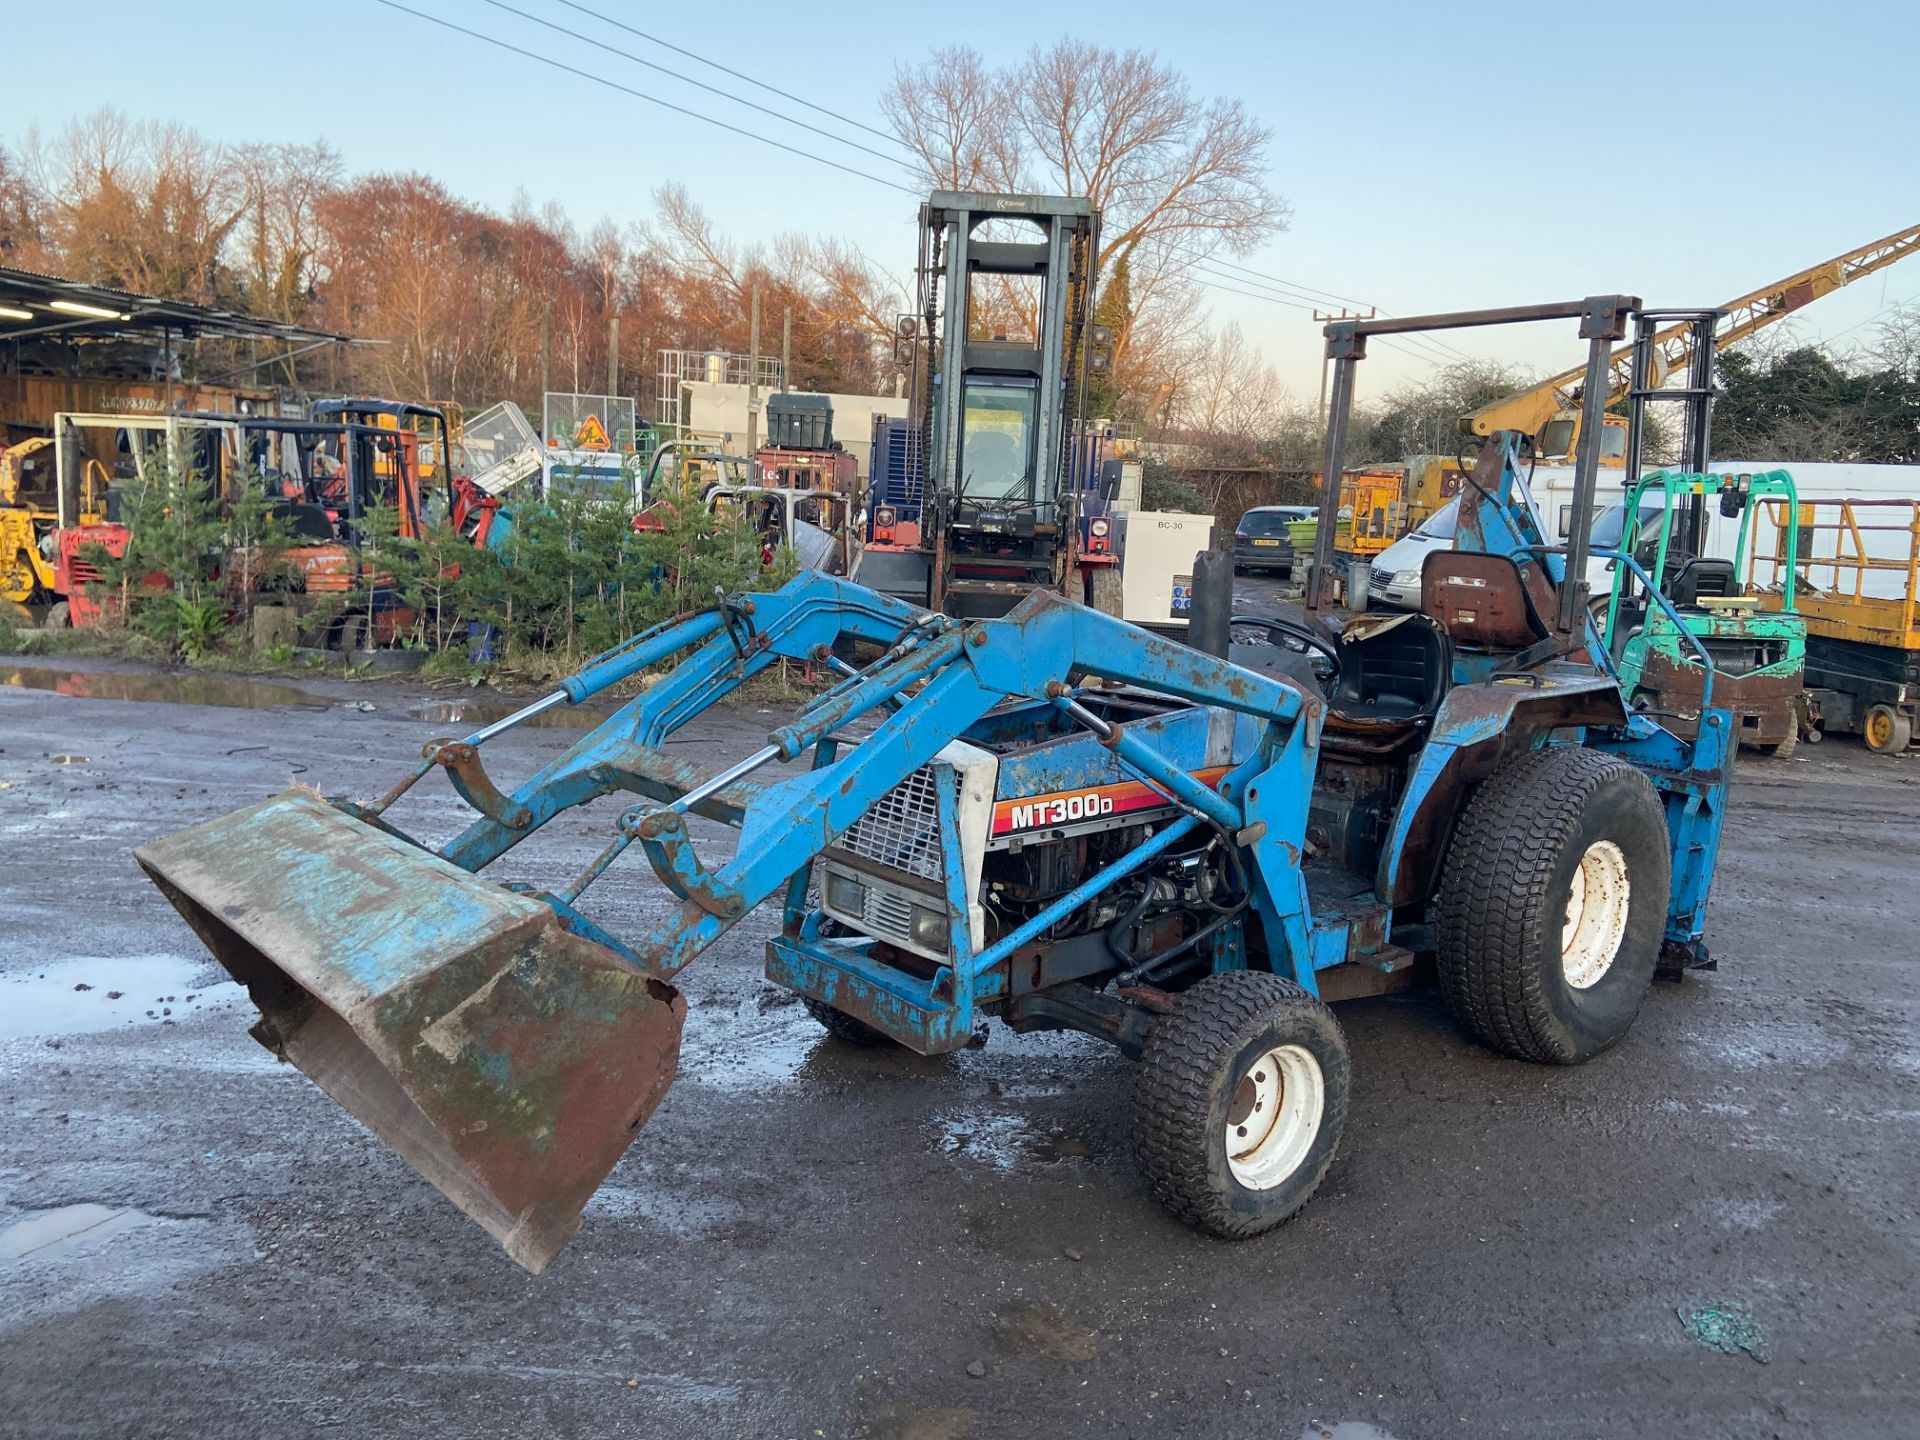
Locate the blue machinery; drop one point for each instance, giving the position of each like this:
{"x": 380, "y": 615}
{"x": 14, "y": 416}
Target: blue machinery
{"x": 1049, "y": 817}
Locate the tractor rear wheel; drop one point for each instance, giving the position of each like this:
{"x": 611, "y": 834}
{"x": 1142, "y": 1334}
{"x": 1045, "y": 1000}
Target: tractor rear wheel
{"x": 842, "y": 1026}
{"x": 1239, "y": 1103}
{"x": 59, "y": 616}
{"x": 1553, "y": 903}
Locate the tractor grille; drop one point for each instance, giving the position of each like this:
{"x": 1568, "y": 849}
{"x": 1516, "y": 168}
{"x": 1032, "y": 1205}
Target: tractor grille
{"x": 902, "y": 829}
{"x": 888, "y": 916}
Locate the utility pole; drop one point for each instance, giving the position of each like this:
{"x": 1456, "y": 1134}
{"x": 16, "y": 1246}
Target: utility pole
{"x": 613, "y": 355}
{"x": 1324, "y": 318}
{"x": 753, "y": 380}
{"x": 786, "y": 349}
{"x": 546, "y": 354}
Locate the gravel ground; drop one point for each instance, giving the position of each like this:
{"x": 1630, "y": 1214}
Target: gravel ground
{"x": 813, "y": 1241}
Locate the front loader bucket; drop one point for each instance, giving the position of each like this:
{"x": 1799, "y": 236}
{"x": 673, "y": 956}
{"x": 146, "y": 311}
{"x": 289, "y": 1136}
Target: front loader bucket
{"x": 507, "y": 1060}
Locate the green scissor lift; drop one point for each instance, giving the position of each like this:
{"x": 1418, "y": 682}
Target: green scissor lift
{"x": 1759, "y": 656}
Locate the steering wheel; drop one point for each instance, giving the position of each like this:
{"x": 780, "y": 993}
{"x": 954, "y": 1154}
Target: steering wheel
{"x": 1262, "y": 630}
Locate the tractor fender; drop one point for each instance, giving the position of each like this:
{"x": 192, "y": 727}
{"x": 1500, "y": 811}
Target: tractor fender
{"x": 1477, "y": 729}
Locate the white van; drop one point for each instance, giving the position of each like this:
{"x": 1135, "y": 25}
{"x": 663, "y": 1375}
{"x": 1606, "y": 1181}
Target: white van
{"x": 1395, "y": 577}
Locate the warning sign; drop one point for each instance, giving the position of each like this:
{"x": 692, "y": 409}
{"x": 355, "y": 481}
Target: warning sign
{"x": 591, "y": 435}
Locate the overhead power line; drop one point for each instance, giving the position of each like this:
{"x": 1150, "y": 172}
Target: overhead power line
{"x": 560, "y": 29}
{"x": 1860, "y": 324}
{"x": 1273, "y": 290}
{"x": 1403, "y": 347}
{"x": 1253, "y": 294}
{"x": 1256, "y": 295}
{"x": 534, "y": 55}
{"x": 1306, "y": 292}
{"x": 1303, "y": 297}
{"x": 1319, "y": 297}
{"x": 1309, "y": 296}
{"x": 725, "y": 70}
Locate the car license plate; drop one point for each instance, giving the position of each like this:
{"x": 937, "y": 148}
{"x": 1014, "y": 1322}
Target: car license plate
{"x": 1266, "y": 542}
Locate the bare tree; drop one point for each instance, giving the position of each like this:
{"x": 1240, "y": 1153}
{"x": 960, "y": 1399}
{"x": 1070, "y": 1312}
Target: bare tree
{"x": 284, "y": 187}
{"x": 953, "y": 112}
{"x": 21, "y": 242}
{"x": 688, "y": 240}
{"x": 1125, "y": 130}
{"x": 1176, "y": 178}
{"x": 1226, "y": 389}
{"x": 1896, "y": 342}
{"x": 148, "y": 206}
{"x": 851, "y": 289}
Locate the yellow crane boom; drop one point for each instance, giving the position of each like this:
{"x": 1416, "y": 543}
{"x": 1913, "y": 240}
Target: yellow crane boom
{"x": 1531, "y": 410}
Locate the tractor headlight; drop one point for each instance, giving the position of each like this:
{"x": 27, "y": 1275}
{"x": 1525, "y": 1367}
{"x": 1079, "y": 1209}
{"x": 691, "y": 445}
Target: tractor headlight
{"x": 928, "y": 928}
{"x": 1099, "y": 527}
{"x": 883, "y": 517}
{"x": 845, "y": 894}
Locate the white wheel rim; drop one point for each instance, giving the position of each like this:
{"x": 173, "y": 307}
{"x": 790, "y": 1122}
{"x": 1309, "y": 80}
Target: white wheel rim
{"x": 1274, "y": 1116}
{"x": 1596, "y": 915}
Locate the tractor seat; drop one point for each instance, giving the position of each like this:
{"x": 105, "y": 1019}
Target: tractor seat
{"x": 1393, "y": 670}
{"x": 1480, "y": 601}
{"x": 304, "y": 522}
{"x": 1700, "y": 577}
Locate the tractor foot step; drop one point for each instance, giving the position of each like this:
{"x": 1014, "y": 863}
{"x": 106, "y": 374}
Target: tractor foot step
{"x": 1676, "y": 959}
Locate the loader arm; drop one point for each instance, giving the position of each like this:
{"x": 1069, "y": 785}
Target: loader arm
{"x": 956, "y": 673}
{"x": 506, "y": 1044}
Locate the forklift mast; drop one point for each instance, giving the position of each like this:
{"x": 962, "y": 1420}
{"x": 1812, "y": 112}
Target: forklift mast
{"x": 996, "y": 408}
{"x": 1695, "y": 399}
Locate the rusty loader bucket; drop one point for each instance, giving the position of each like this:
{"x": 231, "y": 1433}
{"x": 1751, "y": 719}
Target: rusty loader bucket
{"x": 507, "y": 1047}
{"x": 507, "y": 1060}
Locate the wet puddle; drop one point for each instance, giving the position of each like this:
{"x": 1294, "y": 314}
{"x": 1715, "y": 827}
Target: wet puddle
{"x": 234, "y": 691}
{"x": 484, "y": 712}
{"x": 86, "y": 994}
{"x": 70, "y": 1231}
{"x": 913, "y": 1422}
{"x": 744, "y": 1050}
{"x": 1045, "y": 1330}
{"x": 1004, "y": 1141}
{"x": 64, "y": 1259}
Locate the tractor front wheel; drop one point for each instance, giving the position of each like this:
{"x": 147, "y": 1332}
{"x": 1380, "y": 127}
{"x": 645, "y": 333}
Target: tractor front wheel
{"x": 1240, "y": 1102}
{"x": 842, "y": 1026}
{"x": 1553, "y": 904}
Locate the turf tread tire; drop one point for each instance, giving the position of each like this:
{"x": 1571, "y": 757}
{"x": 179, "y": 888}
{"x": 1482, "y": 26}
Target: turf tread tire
{"x": 1499, "y": 888}
{"x": 1179, "y": 1084}
{"x": 842, "y": 1026}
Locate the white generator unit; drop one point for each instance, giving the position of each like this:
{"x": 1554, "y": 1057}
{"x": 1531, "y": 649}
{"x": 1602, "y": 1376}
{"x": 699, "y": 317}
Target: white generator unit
{"x": 1156, "y": 566}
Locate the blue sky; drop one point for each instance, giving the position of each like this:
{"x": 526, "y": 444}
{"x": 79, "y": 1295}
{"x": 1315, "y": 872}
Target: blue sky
{"x": 1436, "y": 156}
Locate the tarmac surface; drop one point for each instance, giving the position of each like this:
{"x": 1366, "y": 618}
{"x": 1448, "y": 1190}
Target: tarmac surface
{"x": 810, "y": 1240}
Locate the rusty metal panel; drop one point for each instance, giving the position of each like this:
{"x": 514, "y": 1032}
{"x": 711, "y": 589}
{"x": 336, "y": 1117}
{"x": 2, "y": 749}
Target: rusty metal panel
{"x": 1762, "y": 703}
